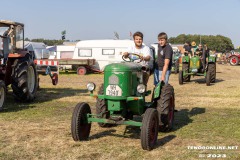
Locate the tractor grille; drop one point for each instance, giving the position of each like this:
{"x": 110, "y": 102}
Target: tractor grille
{"x": 113, "y": 79}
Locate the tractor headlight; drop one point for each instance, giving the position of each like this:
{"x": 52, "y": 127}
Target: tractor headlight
{"x": 141, "y": 88}
{"x": 91, "y": 86}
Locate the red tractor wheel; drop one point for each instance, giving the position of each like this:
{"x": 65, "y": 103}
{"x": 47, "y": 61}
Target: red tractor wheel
{"x": 234, "y": 60}
{"x": 55, "y": 79}
{"x": 81, "y": 70}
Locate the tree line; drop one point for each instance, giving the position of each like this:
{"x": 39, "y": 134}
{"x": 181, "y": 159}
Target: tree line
{"x": 217, "y": 43}
{"x": 48, "y": 42}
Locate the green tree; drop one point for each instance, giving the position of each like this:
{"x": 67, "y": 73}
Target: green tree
{"x": 218, "y": 43}
{"x": 48, "y": 41}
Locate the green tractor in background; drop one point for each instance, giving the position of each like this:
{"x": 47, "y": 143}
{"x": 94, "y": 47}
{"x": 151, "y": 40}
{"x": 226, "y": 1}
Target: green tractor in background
{"x": 121, "y": 99}
{"x": 175, "y": 61}
{"x": 204, "y": 65}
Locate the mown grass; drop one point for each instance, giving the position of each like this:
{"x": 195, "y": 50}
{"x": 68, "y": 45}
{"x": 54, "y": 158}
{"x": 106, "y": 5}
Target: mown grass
{"x": 206, "y": 116}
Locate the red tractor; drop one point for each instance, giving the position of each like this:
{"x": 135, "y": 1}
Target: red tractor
{"x": 234, "y": 58}
{"x": 17, "y": 66}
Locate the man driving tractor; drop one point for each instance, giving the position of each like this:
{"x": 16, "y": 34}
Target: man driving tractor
{"x": 144, "y": 54}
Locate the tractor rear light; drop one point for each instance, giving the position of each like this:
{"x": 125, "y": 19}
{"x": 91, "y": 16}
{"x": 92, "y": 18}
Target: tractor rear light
{"x": 91, "y": 86}
{"x": 141, "y": 88}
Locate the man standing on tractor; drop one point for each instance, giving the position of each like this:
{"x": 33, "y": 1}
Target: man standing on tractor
{"x": 165, "y": 53}
{"x": 144, "y": 53}
{"x": 199, "y": 50}
{"x": 194, "y": 47}
{"x": 187, "y": 48}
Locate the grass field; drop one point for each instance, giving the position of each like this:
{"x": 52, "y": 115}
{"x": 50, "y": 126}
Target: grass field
{"x": 207, "y": 116}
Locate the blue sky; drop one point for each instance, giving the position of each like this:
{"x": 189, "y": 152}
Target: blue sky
{"x": 99, "y": 19}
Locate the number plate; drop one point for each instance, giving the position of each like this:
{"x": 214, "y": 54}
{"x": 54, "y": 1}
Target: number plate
{"x": 113, "y": 90}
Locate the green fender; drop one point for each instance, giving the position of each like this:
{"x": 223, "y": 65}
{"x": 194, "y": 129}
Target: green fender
{"x": 157, "y": 90}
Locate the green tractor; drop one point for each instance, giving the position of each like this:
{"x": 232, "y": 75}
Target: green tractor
{"x": 121, "y": 101}
{"x": 175, "y": 62}
{"x": 204, "y": 65}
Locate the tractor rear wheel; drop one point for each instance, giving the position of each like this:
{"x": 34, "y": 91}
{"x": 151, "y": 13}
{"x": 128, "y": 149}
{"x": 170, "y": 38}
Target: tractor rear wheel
{"x": 149, "y": 130}
{"x": 165, "y": 108}
{"x": 24, "y": 79}
{"x": 185, "y": 67}
{"x": 211, "y": 74}
{"x": 234, "y": 60}
{"x": 2, "y": 94}
{"x": 80, "y": 128}
{"x": 101, "y": 108}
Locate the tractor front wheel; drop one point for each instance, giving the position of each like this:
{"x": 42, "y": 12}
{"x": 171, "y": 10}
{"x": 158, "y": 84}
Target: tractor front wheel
{"x": 24, "y": 79}
{"x": 149, "y": 130}
{"x": 80, "y": 128}
{"x": 55, "y": 79}
{"x": 2, "y": 94}
{"x": 176, "y": 67}
{"x": 180, "y": 77}
{"x": 186, "y": 70}
{"x": 165, "y": 108}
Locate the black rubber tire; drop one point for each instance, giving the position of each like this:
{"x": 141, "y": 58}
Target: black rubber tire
{"x": 55, "y": 79}
{"x": 185, "y": 67}
{"x": 80, "y": 129}
{"x": 3, "y": 91}
{"x": 180, "y": 77}
{"x": 211, "y": 74}
{"x": 149, "y": 130}
{"x": 101, "y": 107}
{"x": 234, "y": 60}
{"x": 81, "y": 70}
{"x": 208, "y": 78}
{"x": 21, "y": 69}
{"x": 176, "y": 67}
{"x": 165, "y": 108}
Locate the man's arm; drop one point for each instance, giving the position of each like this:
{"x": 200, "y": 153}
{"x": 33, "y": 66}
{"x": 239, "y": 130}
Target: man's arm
{"x": 146, "y": 55}
{"x": 165, "y": 68}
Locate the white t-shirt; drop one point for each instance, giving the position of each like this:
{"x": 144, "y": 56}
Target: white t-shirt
{"x": 143, "y": 51}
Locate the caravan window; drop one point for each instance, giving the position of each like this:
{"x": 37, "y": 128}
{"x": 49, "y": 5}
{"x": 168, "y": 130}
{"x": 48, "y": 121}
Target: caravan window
{"x": 108, "y": 51}
{"x": 84, "y": 53}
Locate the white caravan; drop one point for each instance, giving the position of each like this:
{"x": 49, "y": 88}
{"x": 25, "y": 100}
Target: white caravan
{"x": 103, "y": 51}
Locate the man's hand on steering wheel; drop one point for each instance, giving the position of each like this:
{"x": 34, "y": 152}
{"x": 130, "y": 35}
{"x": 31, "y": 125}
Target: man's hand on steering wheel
{"x": 128, "y": 55}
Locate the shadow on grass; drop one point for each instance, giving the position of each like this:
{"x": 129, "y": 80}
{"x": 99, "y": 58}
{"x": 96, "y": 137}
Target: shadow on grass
{"x": 43, "y": 95}
{"x": 203, "y": 81}
{"x": 164, "y": 140}
{"x": 183, "y": 117}
{"x": 103, "y": 134}
{"x": 132, "y": 132}
{"x": 48, "y": 94}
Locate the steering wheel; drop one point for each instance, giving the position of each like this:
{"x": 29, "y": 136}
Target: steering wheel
{"x": 131, "y": 58}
